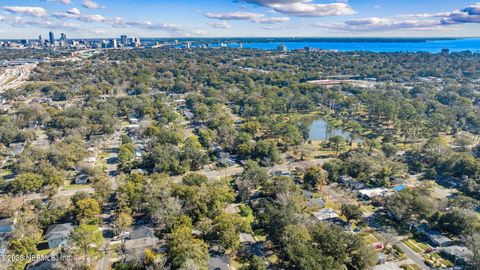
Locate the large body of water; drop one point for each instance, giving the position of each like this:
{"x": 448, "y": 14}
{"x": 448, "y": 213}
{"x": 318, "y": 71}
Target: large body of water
{"x": 370, "y": 45}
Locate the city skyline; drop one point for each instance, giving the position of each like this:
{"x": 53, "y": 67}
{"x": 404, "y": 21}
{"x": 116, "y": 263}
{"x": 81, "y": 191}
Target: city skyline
{"x": 239, "y": 18}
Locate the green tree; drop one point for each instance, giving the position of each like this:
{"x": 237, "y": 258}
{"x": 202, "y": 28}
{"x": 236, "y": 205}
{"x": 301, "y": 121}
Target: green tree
{"x": 193, "y": 154}
{"x": 315, "y": 177}
{"x": 126, "y": 155}
{"x": 194, "y": 179}
{"x": 183, "y": 247}
{"x": 351, "y": 212}
{"x": 389, "y": 149}
{"x": 337, "y": 143}
{"x": 255, "y": 263}
{"x": 26, "y": 182}
{"x": 267, "y": 151}
{"x": 349, "y": 250}
{"x": 250, "y": 179}
{"x": 411, "y": 203}
{"x": 227, "y": 228}
{"x": 87, "y": 210}
{"x": 88, "y": 239}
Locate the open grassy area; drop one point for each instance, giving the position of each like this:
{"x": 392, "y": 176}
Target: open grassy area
{"x": 436, "y": 260}
{"x": 416, "y": 246}
{"x": 366, "y": 209}
{"x": 369, "y": 238}
{"x": 5, "y": 172}
{"x": 70, "y": 186}
{"x": 334, "y": 205}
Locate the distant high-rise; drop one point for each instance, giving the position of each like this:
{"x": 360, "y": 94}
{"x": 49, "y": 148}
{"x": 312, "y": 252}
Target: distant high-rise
{"x": 51, "y": 37}
{"x": 113, "y": 43}
{"x": 40, "y": 40}
{"x": 282, "y": 48}
{"x": 124, "y": 40}
{"x": 63, "y": 39}
{"x": 136, "y": 42}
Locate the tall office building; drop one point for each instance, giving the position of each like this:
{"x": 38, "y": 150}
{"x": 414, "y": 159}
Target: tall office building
{"x": 40, "y": 40}
{"x": 124, "y": 40}
{"x": 51, "y": 39}
{"x": 113, "y": 43}
{"x": 63, "y": 39}
{"x": 282, "y": 48}
{"x": 136, "y": 42}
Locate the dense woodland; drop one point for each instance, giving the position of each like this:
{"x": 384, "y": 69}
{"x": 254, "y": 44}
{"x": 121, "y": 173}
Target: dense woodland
{"x": 421, "y": 117}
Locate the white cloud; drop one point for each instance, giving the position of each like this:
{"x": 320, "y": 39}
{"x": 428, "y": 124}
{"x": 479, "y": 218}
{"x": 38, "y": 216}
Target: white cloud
{"x": 90, "y": 4}
{"x": 175, "y": 29}
{"x": 30, "y": 11}
{"x": 92, "y": 18}
{"x": 305, "y": 8}
{"x": 74, "y": 11}
{"x": 380, "y": 24}
{"x": 473, "y": 9}
{"x": 422, "y": 21}
{"x": 221, "y": 25}
{"x": 246, "y": 16}
{"x": 272, "y": 20}
{"x": 470, "y": 14}
{"x": 66, "y": 2}
{"x": 71, "y": 13}
{"x": 234, "y": 16}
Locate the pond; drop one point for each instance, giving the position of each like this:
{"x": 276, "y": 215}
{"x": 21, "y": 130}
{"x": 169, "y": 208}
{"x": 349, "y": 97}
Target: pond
{"x": 321, "y": 130}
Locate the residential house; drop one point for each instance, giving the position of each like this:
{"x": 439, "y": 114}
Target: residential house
{"x": 232, "y": 208}
{"x": 370, "y": 193}
{"x": 81, "y": 179}
{"x": 139, "y": 239}
{"x": 349, "y": 182}
{"x": 316, "y": 203}
{"x": 281, "y": 173}
{"x": 17, "y": 148}
{"x": 438, "y": 240}
{"x": 58, "y": 234}
{"x": 312, "y": 201}
{"x": 218, "y": 260}
{"x": 246, "y": 238}
{"x": 90, "y": 160}
{"x": 326, "y": 215}
{"x": 458, "y": 254}
{"x": 188, "y": 114}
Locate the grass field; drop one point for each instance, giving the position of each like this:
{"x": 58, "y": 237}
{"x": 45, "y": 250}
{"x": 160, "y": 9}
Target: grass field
{"x": 369, "y": 238}
{"x": 437, "y": 261}
{"x": 69, "y": 186}
{"x": 416, "y": 246}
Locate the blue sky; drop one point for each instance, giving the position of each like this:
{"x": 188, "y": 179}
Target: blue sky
{"x": 240, "y": 18}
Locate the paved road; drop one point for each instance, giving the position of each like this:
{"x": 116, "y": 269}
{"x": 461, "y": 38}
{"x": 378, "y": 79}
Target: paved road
{"x": 412, "y": 255}
{"x": 112, "y": 160}
{"x": 108, "y": 210}
{"x": 107, "y": 219}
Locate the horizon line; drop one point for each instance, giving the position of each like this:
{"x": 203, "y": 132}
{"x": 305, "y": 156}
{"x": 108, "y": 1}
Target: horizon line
{"x": 264, "y": 37}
